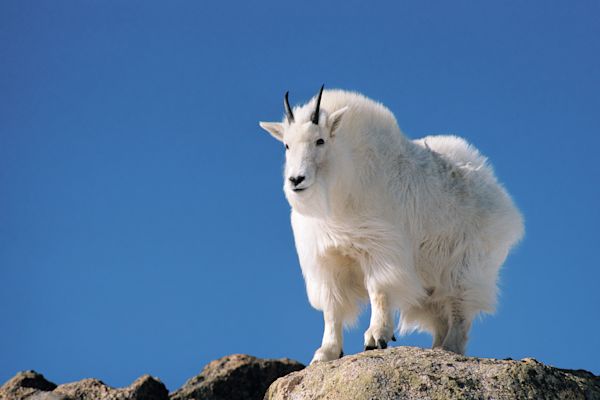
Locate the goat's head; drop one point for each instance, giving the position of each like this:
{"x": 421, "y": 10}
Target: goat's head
{"x": 308, "y": 135}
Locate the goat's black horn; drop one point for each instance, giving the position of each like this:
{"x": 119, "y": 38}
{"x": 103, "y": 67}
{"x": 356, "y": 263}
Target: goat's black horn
{"x": 315, "y": 116}
{"x": 288, "y": 109}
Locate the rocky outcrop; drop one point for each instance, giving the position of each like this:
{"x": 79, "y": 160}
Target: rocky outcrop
{"x": 236, "y": 377}
{"x": 412, "y": 373}
{"x": 233, "y": 377}
{"x": 395, "y": 373}
{"x": 33, "y": 386}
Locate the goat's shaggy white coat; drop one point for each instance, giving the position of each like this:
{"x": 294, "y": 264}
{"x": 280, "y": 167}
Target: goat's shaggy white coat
{"x": 419, "y": 226}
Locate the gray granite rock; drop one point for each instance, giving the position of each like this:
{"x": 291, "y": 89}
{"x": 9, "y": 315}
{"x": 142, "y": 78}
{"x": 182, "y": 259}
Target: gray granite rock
{"x": 413, "y": 373}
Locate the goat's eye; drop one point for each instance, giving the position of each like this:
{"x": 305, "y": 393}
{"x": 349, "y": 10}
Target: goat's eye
{"x": 320, "y": 142}
{"x": 287, "y": 147}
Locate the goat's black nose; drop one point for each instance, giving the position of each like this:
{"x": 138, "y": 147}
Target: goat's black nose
{"x": 296, "y": 180}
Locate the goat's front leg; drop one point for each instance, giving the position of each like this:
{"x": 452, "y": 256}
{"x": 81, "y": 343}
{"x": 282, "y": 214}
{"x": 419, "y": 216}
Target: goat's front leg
{"x": 331, "y": 346}
{"x": 381, "y": 328}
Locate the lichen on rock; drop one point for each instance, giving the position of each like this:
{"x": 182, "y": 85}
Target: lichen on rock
{"x": 412, "y": 373}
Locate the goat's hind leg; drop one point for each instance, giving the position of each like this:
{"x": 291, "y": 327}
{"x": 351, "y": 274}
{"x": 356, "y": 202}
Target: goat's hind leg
{"x": 440, "y": 325}
{"x": 458, "y": 327}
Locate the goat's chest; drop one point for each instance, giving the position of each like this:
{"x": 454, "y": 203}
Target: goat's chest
{"x": 350, "y": 240}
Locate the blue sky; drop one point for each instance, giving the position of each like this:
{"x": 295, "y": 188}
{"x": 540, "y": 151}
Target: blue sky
{"x": 142, "y": 224}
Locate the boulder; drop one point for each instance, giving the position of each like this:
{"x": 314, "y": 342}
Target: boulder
{"x": 144, "y": 388}
{"x": 235, "y": 377}
{"x": 412, "y": 373}
{"x": 25, "y": 384}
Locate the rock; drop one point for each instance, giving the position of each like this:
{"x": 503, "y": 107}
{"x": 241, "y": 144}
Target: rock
{"x": 412, "y": 373}
{"x": 235, "y": 377}
{"x": 144, "y": 388}
{"x": 395, "y": 373}
{"x": 32, "y": 386}
{"x": 147, "y": 387}
{"x": 25, "y": 384}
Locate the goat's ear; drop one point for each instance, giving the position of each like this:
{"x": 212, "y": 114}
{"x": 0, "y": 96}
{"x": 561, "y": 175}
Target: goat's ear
{"x": 274, "y": 128}
{"x": 335, "y": 119}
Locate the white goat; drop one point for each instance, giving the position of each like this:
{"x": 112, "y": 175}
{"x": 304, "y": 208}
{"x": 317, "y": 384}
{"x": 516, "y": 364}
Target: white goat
{"x": 417, "y": 226}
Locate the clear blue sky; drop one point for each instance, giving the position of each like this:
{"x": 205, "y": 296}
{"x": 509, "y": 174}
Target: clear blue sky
{"x": 142, "y": 224}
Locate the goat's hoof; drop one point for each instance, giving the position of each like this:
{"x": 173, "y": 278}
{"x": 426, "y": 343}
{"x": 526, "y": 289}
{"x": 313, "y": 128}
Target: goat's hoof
{"x": 324, "y": 354}
{"x": 381, "y": 344}
{"x": 378, "y": 338}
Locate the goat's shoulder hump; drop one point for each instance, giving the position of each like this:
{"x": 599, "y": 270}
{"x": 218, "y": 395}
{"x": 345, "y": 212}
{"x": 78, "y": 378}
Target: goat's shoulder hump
{"x": 455, "y": 149}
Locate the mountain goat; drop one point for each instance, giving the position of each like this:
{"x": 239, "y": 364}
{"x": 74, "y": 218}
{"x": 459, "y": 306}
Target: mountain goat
{"x": 421, "y": 227}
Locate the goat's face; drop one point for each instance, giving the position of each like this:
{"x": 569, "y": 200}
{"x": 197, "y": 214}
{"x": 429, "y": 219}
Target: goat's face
{"x": 308, "y": 141}
{"x": 306, "y": 148}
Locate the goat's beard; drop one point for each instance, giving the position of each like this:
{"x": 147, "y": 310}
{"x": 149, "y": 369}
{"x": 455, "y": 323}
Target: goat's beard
{"x": 311, "y": 202}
